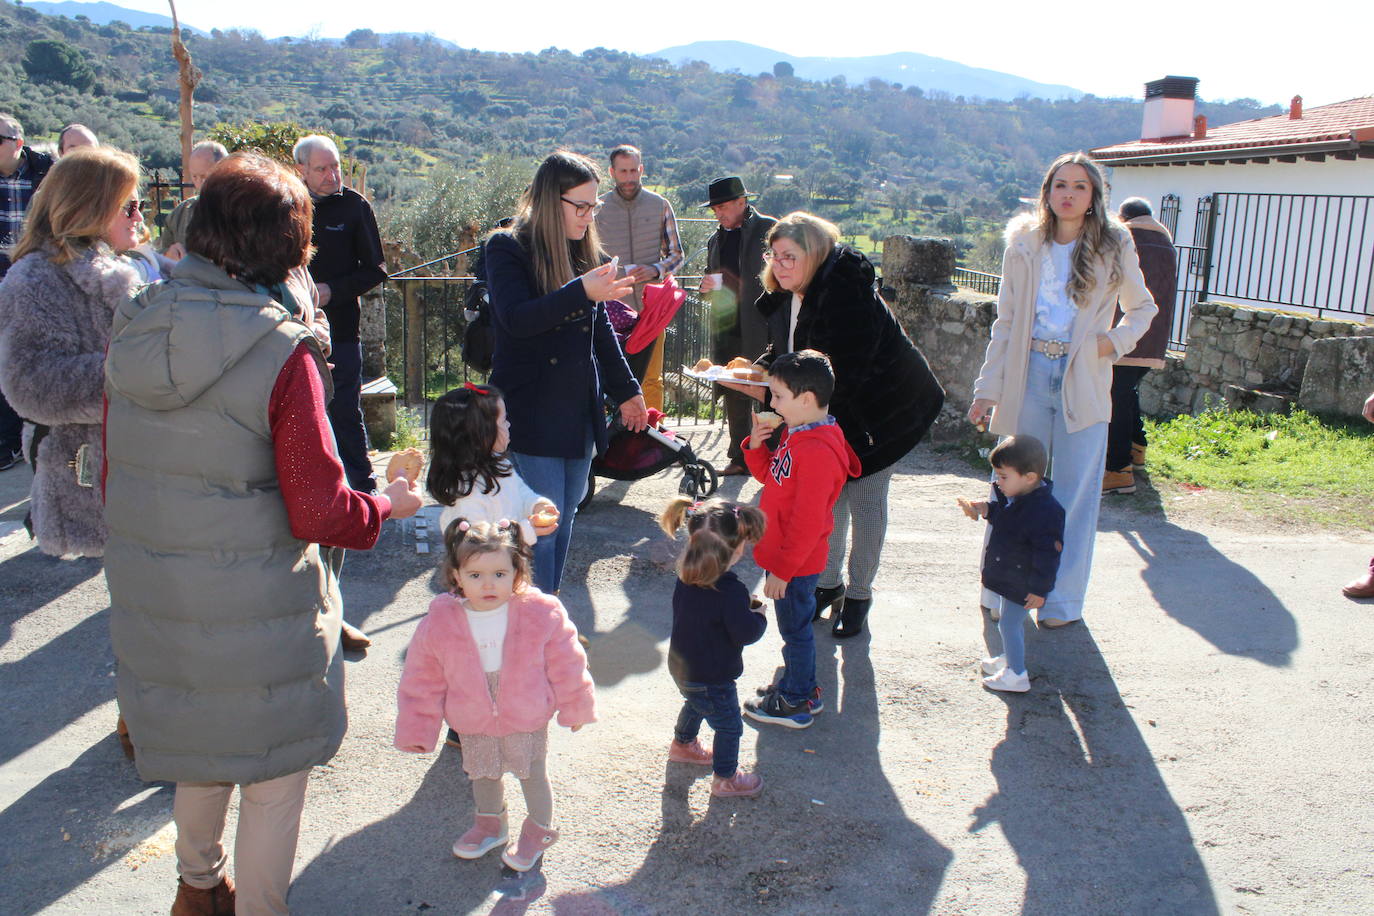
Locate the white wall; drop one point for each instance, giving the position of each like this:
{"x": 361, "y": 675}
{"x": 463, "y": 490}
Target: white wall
{"x": 1283, "y": 267}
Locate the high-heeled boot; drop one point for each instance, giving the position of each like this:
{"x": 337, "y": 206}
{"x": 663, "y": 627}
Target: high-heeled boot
{"x": 851, "y": 619}
{"x": 827, "y": 598}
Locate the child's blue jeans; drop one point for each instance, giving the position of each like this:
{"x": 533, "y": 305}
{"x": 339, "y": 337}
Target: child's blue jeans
{"x": 1012, "y": 626}
{"x": 794, "y": 611}
{"x": 718, "y": 705}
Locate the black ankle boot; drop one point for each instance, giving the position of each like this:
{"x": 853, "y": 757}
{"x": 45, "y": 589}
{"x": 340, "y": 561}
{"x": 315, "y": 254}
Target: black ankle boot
{"x": 851, "y": 619}
{"x": 826, "y": 598}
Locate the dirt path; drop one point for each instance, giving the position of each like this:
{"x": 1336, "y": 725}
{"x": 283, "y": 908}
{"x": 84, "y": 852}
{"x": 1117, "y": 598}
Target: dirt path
{"x": 1201, "y": 745}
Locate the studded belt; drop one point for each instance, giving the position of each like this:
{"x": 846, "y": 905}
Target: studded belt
{"x": 1054, "y": 349}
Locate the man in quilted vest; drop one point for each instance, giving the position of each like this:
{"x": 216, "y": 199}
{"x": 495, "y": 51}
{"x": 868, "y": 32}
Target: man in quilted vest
{"x": 638, "y": 226}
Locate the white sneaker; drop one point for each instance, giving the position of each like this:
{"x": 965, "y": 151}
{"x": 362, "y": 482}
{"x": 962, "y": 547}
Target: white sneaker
{"x": 993, "y": 665}
{"x": 1008, "y": 681}
{"x": 994, "y": 613}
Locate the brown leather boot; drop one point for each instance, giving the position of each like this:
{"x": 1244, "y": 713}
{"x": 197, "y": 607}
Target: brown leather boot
{"x": 122, "y": 732}
{"x": 213, "y": 901}
{"x": 1118, "y": 482}
{"x": 354, "y": 639}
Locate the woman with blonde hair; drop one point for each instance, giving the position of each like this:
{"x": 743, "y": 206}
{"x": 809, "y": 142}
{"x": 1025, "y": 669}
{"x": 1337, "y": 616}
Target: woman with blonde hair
{"x": 820, "y": 295}
{"x": 556, "y": 357}
{"x": 56, "y": 306}
{"x": 1048, "y": 368}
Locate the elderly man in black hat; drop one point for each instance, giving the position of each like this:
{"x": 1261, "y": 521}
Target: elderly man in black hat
{"x": 734, "y": 261}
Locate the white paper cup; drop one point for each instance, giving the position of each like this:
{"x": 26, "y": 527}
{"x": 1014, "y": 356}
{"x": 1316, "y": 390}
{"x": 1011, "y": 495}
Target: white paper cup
{"x": 718, "y": 280}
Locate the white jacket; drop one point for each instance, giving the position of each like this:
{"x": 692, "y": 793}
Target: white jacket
{"x": 1087, "y": 377}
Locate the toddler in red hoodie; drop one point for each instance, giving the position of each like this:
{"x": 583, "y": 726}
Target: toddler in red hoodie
{"x": 801, "y": 480}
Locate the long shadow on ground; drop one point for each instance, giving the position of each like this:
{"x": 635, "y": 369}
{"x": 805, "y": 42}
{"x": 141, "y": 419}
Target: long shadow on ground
{"x": 1201, "y": 588}
{"x": 855, "y": 851}
{"x": 1080, "y": 799}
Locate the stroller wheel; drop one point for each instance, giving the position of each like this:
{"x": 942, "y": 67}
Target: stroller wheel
{"x": 699, "y": 480}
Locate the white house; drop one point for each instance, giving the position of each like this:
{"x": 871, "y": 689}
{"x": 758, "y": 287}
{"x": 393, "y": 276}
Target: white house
{"x": 1281, "y": 209}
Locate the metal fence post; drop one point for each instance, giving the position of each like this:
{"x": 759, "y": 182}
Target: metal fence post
{"x": 414, "y": 343}
{"x": 1212, "y": 207}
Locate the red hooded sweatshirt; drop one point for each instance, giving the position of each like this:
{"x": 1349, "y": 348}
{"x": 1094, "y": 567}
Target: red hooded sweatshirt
{"x": 801, "y": 481}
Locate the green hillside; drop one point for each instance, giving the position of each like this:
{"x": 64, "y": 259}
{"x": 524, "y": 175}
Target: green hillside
{"x": 438, "y": 125}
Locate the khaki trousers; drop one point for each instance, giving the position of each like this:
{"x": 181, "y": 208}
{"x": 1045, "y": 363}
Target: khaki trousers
{"x": 264, "y": 846}
{"x": 652, "y": 386}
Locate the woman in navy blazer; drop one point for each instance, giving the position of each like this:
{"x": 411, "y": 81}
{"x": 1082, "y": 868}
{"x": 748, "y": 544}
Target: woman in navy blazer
{"x": 556, "y": 357}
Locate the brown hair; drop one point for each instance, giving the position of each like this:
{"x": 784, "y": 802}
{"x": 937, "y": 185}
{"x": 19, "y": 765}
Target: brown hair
{"x": 464, "y": 540}
{"x": 539, "y": 223}
{"x": 715, "y": 530}
{"x": 253, "y": 219}
{"x": 816, "y": 238}
{"x": 1100, "y": 240}
{"x": 74, "y": 205}
{"x": 1023, "y": 454}
{"x": 625, "y": 149}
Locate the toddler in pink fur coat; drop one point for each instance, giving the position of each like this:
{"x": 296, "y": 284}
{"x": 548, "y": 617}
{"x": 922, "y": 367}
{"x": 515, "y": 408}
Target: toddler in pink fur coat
{"x": 496, "y": 658}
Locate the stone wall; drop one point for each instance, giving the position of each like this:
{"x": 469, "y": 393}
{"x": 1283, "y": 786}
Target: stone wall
{"x": 1242, "y": 355}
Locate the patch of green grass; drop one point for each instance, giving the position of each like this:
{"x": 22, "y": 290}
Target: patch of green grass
{"x": 1297, "y": 454}
{"x": 410, "y": 427}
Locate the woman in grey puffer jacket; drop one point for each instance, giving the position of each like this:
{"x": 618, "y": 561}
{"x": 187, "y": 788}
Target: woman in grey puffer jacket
{"x": 56, "y": 307}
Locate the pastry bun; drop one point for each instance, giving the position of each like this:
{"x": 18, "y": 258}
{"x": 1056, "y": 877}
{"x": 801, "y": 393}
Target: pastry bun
{"x": 739, "y": 362}
{"x": 702, "y": 365}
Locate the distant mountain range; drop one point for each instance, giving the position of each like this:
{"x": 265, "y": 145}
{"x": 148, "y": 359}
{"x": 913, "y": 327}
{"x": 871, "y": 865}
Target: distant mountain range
{"x": 909, "y": 69}
{"x": 104, "y": 13}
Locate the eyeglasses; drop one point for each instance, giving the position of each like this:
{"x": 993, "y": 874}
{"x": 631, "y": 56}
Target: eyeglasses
{"x": 785, "y": 261}
{"x": 581, "y": 206}
{"x": 3, "y": 139}
{"x": 132, "y": 207}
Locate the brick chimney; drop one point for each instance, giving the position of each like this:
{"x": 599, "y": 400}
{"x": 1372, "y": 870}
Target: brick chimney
{"x": 1200, "y": 127}
{"x": 1295, "y": 109}
{"x": 1169, "y": 108}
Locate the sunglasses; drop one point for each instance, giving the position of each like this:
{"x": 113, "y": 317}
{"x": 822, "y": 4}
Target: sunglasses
{"x": 132, "y": 207}
{"x": 581, "y": 206}
{"x": 3, "y": 139}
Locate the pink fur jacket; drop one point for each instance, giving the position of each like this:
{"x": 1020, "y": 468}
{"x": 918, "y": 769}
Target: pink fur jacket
{"x": 543, "y": 671}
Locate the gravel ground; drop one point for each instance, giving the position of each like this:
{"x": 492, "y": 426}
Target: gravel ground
{"x": 1200, "y": 745}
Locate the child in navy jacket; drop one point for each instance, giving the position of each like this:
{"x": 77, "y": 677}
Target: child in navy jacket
{"x": 1021, "y": 558}
{"x": 714, "y": 618}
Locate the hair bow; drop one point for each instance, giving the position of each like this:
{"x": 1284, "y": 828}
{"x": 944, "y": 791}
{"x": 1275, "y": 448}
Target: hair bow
{"x": 504, "y": 523}
{"x": 464, "y": 527}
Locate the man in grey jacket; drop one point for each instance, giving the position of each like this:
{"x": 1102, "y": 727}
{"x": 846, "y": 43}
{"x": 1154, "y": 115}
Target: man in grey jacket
{"x": 734, "y": 253}
{"x": 638, "y": 226}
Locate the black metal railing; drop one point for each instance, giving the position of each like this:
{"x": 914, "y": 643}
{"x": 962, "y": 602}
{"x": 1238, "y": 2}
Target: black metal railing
{"x": 1168, "y": 213}
{"x": 426, "y": 325}
{"x": 1190, "y": 261}
{"x": 1311, "y": 251}
{"x": 162, "y": 191}
{"x": 978, "y": 281}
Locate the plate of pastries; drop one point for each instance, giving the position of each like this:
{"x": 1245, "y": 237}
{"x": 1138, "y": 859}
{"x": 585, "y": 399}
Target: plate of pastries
{"x": 738, "y": 370}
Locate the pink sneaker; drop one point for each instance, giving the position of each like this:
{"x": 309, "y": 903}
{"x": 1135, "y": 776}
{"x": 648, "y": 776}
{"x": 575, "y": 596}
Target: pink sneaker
{"x": 741, "y": 785}
{"x": 692, "y": 753}
{"x": 534, "y": 839}
{"x": 487, "y": 832}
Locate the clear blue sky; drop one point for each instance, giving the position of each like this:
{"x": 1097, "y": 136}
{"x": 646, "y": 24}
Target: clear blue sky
{"x": 1263, "y": 50}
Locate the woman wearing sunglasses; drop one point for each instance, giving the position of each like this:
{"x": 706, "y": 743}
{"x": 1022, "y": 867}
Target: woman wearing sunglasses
{"x": 556, "y": 357}
{"x": 56, "y": 307}
{"x": 820, "y": 295}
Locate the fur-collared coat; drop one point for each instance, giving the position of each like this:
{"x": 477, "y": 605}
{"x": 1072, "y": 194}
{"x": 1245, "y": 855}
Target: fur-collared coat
{"x": 543, "y": 671}
{"x": 54, "y": 329}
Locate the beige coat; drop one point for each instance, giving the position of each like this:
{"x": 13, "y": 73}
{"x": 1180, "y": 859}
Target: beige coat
{"x": 1088, "y": 377}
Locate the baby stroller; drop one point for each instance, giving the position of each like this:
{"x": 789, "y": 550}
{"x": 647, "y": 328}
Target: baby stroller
{"x": 634, "y": 456}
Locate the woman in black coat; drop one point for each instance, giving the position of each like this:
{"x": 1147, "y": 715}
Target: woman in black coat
{"x": 820, "y": 295}
{"x": 556, "y": 357}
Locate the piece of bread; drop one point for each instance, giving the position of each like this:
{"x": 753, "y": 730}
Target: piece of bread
{"x": 544, "y": 516}
{"x": 767, "y": 416}
{"x": 702, "y": 365}
{"x": 408, "y": 464}
{"x": 739, "y": 362}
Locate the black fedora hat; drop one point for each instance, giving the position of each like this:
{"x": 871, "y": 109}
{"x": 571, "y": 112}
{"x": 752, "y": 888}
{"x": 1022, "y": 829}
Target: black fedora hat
{"x": 723, "y": 189}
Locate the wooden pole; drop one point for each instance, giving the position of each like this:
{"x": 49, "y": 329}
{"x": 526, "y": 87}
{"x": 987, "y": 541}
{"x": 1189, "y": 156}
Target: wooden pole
{"x": 188, "y": 76}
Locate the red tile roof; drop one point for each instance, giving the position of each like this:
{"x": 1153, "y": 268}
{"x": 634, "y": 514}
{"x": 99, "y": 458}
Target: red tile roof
{"x": 1349, "y": 123}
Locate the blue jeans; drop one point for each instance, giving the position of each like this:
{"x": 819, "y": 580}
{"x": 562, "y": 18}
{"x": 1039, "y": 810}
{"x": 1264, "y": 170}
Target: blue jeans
{"x": 718, "y": 705}
{"x": 346, "y": 415}
{"x": 1012, "y": 627}
{"x": 794, "y": 611}
{"x": 563, "y": 480}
